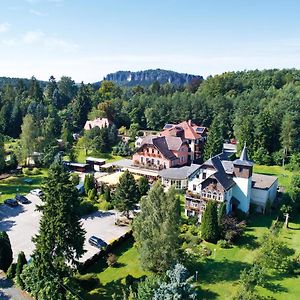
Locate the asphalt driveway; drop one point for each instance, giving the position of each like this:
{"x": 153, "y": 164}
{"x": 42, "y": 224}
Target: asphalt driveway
{"x": 21, "y": 224}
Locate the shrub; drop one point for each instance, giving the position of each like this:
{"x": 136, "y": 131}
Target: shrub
{"x": 19, "y": 268}
{"x": 74, "y": 178}
{"x": 35, "y": 171}
{"x": 224, "y": 244}
{"x": 11, "y": 272}
{"x": 88, "y": 281}
{"x": 204, "y": 251}
{"x": 87, "y": 207}
{"x": 26, "y": 171}
{"x": 111, "y": 260}
{"x": 104, "y": 205}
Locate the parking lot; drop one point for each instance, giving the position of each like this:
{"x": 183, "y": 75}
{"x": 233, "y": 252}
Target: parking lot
{"x": 22, "y": 223}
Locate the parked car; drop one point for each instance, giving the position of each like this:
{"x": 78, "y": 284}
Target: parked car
{"x": 22, "y": 199}
{"x": 97, "y": 242}
{"x": 37, "y": 192}
{"x": 11, "y": 202}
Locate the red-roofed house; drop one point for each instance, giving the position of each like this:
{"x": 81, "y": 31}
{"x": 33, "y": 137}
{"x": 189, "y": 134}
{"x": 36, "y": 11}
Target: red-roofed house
{"x": 193, "y": 134}
{"x": 99, "y": 122}
{"x": 158, "y": 152}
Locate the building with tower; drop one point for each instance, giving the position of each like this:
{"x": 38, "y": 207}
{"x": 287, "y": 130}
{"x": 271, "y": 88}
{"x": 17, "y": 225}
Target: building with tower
{"x": 230, "y": 182}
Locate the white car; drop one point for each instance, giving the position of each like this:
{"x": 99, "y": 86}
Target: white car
{"x": 37, "y": 192}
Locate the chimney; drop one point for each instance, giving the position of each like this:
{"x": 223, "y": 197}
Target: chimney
{"x": 190, "y": 122}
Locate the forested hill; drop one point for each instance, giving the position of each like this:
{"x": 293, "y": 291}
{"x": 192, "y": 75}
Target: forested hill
{"x": 16, "y": 81}
{"x": 147, "y": 77}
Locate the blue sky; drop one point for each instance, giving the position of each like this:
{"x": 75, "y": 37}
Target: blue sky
{"x": 86, "y": 39}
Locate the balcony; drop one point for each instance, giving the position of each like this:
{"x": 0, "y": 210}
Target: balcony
{"x": 148, "y": 165}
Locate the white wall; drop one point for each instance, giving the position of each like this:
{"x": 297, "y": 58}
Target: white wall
{"x": 242, "y": 191}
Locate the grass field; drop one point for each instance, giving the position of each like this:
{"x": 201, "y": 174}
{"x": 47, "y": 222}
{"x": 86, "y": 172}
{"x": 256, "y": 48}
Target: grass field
{"x": 81, "y": 156}
{"x": 15, "y": 185}
{"x": 219, "y": 273}
{"x": 111, "y": 279}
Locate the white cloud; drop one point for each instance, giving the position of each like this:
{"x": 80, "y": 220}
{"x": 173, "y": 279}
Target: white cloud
{"x": 57, "y": 43}
{"x": 37, "y": 13}
{"x": 9, "y": 42}
{"x": 4, "y": 27}
{"x": 31, "y": 37}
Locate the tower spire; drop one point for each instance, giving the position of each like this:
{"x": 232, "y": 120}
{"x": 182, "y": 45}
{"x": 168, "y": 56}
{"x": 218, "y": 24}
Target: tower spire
{"x": 244, "y": 154}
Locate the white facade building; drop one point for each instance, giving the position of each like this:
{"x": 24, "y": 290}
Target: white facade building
{"x": 231, "y": 182}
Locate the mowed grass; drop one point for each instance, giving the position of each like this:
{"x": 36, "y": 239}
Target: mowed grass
{"x": 112, "y": 279}
{"x": 218, "y": 274}
{"x": 284, "y": 176}
{"x": 82, "y": 155}
{"x": 15, "y": 185}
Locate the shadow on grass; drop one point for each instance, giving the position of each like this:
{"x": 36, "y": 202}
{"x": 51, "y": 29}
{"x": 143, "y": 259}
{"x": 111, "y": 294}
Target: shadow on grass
{"x": 211, "y": 271}
{"x": 101, "y": 264}
{"x": 206, "y": 294}
{"x": 248, "y": 241}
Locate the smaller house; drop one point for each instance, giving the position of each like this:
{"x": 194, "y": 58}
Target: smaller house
{"x": 178, "y": 177}
{"x": 99, "y": 122}
{"x": 264, "y": 191}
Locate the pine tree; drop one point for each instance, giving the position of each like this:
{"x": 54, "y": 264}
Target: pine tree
{"x": 126, "y": 194}
{"x": 89, "y": 183}
{"x": 6, "y": 254}
{"x": 156, "y": 229}
{"x": 21, "y": 262}
{"x": 59, "y": 242}
{"x": 221, "y": 213}
{"x": 143, "y": 184}
{"x": 209, "y": 223}
{"x": 214, "y": 143}
{"x": 178, "y": 285}
{"x": 2, "y": 155}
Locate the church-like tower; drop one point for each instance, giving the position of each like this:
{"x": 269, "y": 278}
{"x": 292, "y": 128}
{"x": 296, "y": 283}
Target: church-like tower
{"x": 242, "y": 175}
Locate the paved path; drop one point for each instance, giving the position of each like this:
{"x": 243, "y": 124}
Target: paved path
{"x": 8, "y": 291}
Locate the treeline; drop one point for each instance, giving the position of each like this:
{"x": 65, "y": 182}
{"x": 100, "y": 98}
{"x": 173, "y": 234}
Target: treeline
{"x": 260, "y": 108}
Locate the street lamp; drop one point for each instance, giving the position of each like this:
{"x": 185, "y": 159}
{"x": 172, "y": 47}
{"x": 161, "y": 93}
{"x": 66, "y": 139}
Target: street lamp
{"x": 196, "y": 275}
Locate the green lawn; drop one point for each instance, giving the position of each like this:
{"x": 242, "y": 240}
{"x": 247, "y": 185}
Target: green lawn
{"x": 217, "y": 275}
{"x": 11, "y": 186}
{"x": 111, "y": 279}
{"x": 81, "y": 156}
{"x": 284, "y": 176}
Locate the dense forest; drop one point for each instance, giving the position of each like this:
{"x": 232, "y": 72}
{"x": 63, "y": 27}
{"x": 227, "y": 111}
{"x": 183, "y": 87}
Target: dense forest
{"x": 259, "y": 108}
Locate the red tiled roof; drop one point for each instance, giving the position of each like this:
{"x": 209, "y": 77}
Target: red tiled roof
{"x": 188, "y": 128}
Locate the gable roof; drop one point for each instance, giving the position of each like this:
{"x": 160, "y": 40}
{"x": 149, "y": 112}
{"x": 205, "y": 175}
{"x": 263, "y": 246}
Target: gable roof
{"x": 220, "y": 174}
{"x": 164, "y": 144}
{"x": 188, "y": 129}
{"x": 180, "y": 173}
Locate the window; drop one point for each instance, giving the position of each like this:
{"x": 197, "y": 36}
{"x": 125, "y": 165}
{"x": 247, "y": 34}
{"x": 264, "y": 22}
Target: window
{"x": 220, "y": 197}
{"x": 158, "y": 162}
{"x": 194, "y": 187}
{"x": 209, "y": 194}
{"x": 152, "y": 151}
{"x": 152, "y": 161}
{"x": 204, "y": 175}
{"x": 147, "y": 150}
{"x": 158, "y": 152}
{"x": 204, "y": 195}
{"x": 178, "y": 184}
{"x": 142, "y": 159}
{"x": 215, "y": 195}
